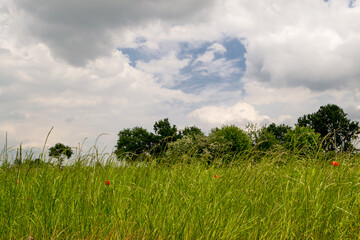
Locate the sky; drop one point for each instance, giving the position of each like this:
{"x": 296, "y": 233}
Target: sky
{"x": 91, "y": 68}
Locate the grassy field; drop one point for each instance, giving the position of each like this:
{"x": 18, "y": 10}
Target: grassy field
{"x": 301, "y": 199}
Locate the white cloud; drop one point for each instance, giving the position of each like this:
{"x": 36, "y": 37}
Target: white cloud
{"x": 220, "y": 67}
{"x": 240, "y": 113}
{"x": 299, "y": 43}
{"x": 209, "y": 55}
{"x": 167, "y": 68}
{"x": 107, "y": 95}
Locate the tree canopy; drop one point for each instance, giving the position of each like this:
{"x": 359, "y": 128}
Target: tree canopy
{"x": 331, "y": 122}
{"x": 278, "y": 131}
{"x": 327, "y": 129}
{"x": 59, "y": 151}
{"x": 134, "y": 141}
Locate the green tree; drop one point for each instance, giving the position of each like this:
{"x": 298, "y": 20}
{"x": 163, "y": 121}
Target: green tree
{"x": 267, "y": 137}
{"x": 266, "y": 140}
{"x": 302, "y": 140}
{"x": 278, "y": 131}
{"x": 163, "y": 129}
{"x": 59, "y": 151}
{"x": 331, "y": 122}
{"x": 133, "y": 142}
{"x": 191, "y": 131}
{"x": 238, "y": 139}
{"x": 197, "y": 147}
{"x": 164, "y": 134}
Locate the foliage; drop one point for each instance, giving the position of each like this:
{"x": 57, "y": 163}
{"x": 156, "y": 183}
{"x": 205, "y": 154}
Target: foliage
{"x": 333, "y": 125}
{"x": 59, "y": 151}
{"x": 238, "y": 139}
{"x": 278, "y": 131}
{"x": 29, "y": 162}
{"x": 136, "y": 142}
{"x": 133, "y": 142}
{"x": 163, "y": 129}
{"x": 191, "y": 131}
{"x": 199, "y": 147}
{"x": 266, "y": 140}
{"x": 268, "y": 137}
{"x": 302, "y": 140}
{"x": 164, "y": 134}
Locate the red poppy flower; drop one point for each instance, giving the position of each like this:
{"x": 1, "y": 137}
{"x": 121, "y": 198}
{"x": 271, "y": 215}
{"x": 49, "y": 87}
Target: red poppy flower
{"x": 107, "y": 182}
{"x": 334, "y": 163}
{"x": 216, "y": 176}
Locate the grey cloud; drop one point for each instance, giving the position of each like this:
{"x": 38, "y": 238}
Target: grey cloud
{"x": 353, "y": 112}
{"x": 306, "y": 65}
{"x": 4, "y": 51}
{"x": 13, "y": 116}
{"x": 78, "y": 31}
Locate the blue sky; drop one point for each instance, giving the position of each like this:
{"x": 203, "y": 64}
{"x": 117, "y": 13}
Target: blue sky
{"x": 197, "y": 73}
{"x": 88, "y": 67}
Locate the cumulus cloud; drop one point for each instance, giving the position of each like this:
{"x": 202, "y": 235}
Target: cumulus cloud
{"x": 240, "y": 113}
{"x": 299, "y": 43}
{"x": 310, "y": 44}
{"x": 79, "y": 31}
{"x": 167, "y": 69}
{"x": 106, "y": 96}
{"x": 209, "y": 55}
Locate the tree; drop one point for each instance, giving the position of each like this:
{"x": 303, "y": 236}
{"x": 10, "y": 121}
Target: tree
{"x": 198, "y": 147}
{"x": 278, "y": 131}
{"x": 238, "y": 139}
{"x": 59, "y": 151}
{"x": 165, "y": 133}
{"x": 268, "y": 136}
{"x": 266, "y": 140}
{"x": 133, "y": 142}
{"x": 191, "y": 131}
{"x": 302, "y": 140}
{"x": 163, "y": 129}
{"x": 333, "y": 125}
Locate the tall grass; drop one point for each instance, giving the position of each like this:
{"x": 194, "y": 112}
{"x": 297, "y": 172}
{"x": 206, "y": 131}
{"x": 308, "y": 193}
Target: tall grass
{"x": 275, "y": 198}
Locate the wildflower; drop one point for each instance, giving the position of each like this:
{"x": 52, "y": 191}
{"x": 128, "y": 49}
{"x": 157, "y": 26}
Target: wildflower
{"x": 28, "y": 198}
{"x": 107, "y": 182}
{"x": 334, "y": 163}
{"x": 216, "y": 176}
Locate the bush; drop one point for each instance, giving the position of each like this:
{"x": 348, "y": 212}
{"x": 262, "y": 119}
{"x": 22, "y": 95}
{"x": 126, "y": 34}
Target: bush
{"x": 197, "y": 147}
{"x": 303, "y": 141}
{"x": 235, "y": 139}
{"x": 266, "y": 141}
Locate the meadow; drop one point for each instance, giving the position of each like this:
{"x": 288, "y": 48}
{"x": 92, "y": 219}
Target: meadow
{"x": 277, "y": 197}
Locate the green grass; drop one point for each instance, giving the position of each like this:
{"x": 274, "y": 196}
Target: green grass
{"x": 297, "y": 200}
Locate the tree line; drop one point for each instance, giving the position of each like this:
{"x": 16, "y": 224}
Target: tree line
{"x": 327, "y": 130}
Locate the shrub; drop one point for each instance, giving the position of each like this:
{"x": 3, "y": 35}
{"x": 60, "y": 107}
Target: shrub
{"x": 198, "y": 147}
{"x": 266, "y": 141}
{"x": 303, "y": 141}
{"x": 235, "y": 139}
